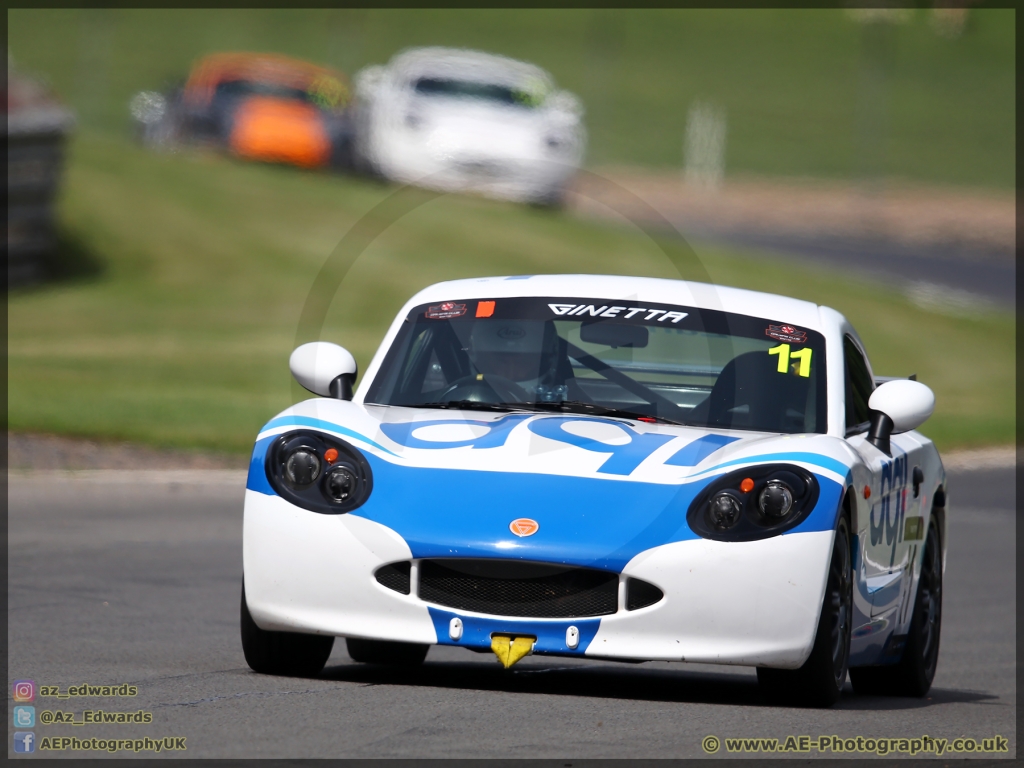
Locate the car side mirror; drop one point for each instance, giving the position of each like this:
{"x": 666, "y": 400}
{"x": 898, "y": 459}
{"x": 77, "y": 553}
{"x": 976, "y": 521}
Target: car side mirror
{"x": 324, "y": 369}
{"x": 898, "y": 406}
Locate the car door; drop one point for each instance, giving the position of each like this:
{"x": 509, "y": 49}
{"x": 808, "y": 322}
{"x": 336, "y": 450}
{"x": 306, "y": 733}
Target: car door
{"x": 884, "y": 548}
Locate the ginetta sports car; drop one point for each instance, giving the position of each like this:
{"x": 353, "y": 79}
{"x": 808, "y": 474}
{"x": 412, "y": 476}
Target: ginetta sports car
{"x": 459, "y": 120}
{"x": 603, "y": 467}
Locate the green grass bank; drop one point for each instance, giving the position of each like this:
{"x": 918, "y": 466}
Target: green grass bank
{"x": 806, "y": 92}
{"x": 188, "y": 272}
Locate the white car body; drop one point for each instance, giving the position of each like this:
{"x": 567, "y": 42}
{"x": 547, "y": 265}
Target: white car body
{"x": 450, "y": 143}
{"x": 449, "y": 483}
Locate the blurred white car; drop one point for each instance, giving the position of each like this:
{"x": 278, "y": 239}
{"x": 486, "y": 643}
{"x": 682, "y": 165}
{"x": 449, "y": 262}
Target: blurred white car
{"x": 459, "y": 120}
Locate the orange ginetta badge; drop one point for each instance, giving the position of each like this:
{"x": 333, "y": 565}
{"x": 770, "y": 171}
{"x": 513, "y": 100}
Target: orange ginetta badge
{"x": 524, "y": 526}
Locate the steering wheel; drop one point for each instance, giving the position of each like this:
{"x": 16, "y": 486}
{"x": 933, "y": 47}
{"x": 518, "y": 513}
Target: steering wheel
{"x": 479, "y": 387}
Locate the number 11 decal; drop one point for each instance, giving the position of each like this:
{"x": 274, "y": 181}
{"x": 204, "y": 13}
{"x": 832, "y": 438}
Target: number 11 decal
{"x": 803, "y": 355}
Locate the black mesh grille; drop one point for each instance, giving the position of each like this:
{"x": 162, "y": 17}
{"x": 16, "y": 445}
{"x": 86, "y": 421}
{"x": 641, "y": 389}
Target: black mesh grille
{"x": 640, "y": 594}
{"x": 509, "y": 588}
{"x": 395, "y": 576}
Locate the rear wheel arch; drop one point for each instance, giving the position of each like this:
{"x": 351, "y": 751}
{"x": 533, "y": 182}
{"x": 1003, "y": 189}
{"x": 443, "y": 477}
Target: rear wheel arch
{"x": 848, "y": 507}
{"x": 848, "y": 510}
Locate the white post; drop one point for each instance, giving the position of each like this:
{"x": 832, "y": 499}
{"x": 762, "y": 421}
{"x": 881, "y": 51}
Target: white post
{"x": 704, "y": 145}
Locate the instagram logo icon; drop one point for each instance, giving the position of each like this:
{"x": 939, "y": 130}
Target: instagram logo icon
{"x": 24, "y": 690}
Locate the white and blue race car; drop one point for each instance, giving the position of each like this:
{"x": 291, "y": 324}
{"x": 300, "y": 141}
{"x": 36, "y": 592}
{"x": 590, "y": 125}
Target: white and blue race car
{"x": 603, "y": 467}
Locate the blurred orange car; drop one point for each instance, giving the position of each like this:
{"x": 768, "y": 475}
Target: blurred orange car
{"x": 259, "y": 106}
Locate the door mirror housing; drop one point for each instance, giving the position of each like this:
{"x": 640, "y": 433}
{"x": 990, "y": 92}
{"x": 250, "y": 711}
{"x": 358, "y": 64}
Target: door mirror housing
{"x": 898, "y": 406}
{"x": 324, "y": 369}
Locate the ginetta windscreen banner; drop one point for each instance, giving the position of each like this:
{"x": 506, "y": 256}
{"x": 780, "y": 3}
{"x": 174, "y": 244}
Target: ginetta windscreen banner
{"x": 615, "y": 311}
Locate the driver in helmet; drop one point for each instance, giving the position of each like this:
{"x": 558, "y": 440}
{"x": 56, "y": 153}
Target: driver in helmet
{"x": 525, "y": 352}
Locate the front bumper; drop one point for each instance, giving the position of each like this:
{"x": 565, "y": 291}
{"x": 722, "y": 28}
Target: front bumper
{"x": 496, "y": 175}
{"x": 749, "y": 603}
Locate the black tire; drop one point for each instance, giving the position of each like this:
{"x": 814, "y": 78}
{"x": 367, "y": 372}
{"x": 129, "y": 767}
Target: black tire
{"x": 386, "y": 652}
{"x": 551, "y": 200}
{"x": 820, "y": 680}
{"x": 912, "y": 676}
{"x": 290, "y": 654}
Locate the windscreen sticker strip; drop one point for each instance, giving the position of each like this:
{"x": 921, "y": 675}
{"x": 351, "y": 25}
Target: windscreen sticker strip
{"x": 445, "y": 311}
{"x": 786, "y": 333}
{"x": 592, "y": 310}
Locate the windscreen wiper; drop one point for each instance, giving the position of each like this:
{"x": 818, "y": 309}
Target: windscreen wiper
{"x": 579, "y": 406}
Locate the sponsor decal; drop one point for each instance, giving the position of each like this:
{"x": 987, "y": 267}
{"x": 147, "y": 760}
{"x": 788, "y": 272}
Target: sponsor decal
{"x": 891, "y": 507}
{"x": 511, "y": 332}
{"x": 621, "y": 458}
{"x": 445, "y": 311}
{"x": 786, "y": 333}
{"x": 484, "y": 308}
{"x": 524, "y": 526}
{"x": 626, "y": 313}
{"x": 497, "y": 432}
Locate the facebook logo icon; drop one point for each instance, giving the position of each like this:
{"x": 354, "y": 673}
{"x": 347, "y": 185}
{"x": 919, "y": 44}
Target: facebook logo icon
{"x": 24, "y": 742}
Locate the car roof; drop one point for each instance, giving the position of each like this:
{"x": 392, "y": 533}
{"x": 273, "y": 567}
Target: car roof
{"x": 260, "y": 67}
{"x": 468, "y": 64}
{"x": 625, "y": 288}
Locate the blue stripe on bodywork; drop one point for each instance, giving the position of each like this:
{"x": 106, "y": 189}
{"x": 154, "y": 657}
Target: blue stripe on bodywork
{"x": 498, "y": 431}
{"x": 808, "y": 458}
{"x": 257, "y": 479}
{"x": 694, "y": 453}
{"x": 306, "y": 421}
{"x": 584, "y": 521}
{"x": 476, "y": 631}
{"x": 623, "y": 459}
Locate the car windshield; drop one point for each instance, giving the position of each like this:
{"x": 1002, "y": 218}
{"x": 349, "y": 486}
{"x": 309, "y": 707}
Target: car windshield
{"x": 325, "y": 92}
{"x": 647, "y": 361}
{"x": 260, "y": 88}
{"x": 475, "y": 90}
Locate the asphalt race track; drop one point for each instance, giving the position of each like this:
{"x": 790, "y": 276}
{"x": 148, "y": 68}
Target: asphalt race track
{"x": 114, "y": 580}
{"x": 988, "y": 276}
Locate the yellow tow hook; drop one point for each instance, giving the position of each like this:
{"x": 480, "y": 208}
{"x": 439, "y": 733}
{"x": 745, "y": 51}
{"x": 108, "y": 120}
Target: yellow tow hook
{"x": 511, "y": 648}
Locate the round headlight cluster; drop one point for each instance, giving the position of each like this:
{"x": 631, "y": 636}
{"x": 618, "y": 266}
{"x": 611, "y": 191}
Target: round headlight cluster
{"x": 302, "y": 467}
{"x": 724, "y": 510}
{"x": 753, "y": 503}
{"x": 340, "y": 483}
{"x": 775, "y": 500}
{"x": 318, "y": 472}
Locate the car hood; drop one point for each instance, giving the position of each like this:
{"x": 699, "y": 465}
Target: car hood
{"x": 460, "y": 129}
{"x": 601, "y": 490}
